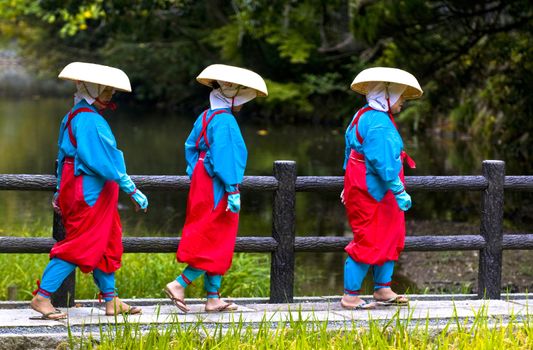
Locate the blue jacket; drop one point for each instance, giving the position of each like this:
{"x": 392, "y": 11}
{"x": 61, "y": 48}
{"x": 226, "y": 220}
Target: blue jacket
{"x": 225, "y": 159}
{"x": 382, "y": 147}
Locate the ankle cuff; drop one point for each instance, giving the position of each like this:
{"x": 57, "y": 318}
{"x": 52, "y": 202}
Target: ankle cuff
{"x": 352, "y": 292}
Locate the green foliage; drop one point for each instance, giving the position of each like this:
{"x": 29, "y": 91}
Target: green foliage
{"x": 473, "y": 59}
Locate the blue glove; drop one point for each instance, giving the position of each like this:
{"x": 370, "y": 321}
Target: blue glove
{"x": 234, "y": 202}
{"x": 140, "y": 200}
{"x": 402, "y": 198}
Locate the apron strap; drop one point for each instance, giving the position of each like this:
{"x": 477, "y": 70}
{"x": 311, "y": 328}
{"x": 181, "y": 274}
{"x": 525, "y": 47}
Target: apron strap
{"x": 404, "y": 156}
{"x": 356, "y": 120}
{"x": 205, "y": 123}
{"x": 410, "y": 161}
{"x": 71, "y": 116}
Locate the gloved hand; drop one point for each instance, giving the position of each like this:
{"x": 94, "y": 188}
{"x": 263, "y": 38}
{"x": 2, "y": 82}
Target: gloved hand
{"x": 404, "y": 200}
{"x": 140, "y": 200}
{"x": 55, "y": 203}
{"x": 234, "y": 202}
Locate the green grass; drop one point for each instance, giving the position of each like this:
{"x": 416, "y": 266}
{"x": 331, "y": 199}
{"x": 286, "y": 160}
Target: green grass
{"x": 141, "y": 276}
{"x": 300, "y": 333}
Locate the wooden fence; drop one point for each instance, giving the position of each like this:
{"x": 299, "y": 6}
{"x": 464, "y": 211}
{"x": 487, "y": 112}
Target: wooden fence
{"x": 283, "y": 243}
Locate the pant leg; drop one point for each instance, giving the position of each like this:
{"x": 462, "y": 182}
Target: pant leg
{"x": 212, "y": 285}
{"x": 383, "y": 275}
{"x": 188, "y": 275}
{"x": 354, "y": 274}
{"x": 54, "y": 274}
{"x": 106, "y": 284}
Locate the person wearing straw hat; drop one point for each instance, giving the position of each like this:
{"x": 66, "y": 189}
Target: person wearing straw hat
{"x": 90, "y": 172}
{"x": 216, "y": 159}
{"x": 374, "y": 191}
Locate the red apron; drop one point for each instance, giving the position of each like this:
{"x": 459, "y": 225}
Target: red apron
{"x": 209, "y": 235}
{"x": 378, "y": 227}
{"x": 93, "y": 234}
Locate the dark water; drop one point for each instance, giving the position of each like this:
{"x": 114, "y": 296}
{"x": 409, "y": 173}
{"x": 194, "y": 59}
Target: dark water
{"x": 152, "y": 142}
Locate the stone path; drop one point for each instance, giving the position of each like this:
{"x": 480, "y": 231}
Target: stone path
{"x": 16, "y": 329}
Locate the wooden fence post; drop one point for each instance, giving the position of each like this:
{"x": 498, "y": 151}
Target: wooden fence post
{"x": 283, "y": 231}
{"x": 490, "y": 258}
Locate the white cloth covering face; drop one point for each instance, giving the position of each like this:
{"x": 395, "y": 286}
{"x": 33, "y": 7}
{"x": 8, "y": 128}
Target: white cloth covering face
{"x": 87, "y": 91}
{"x": 222, "y": 97}
{"x": 377, "y": 95}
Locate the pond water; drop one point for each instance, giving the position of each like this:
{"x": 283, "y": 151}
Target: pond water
{"x": 152, "y": 142}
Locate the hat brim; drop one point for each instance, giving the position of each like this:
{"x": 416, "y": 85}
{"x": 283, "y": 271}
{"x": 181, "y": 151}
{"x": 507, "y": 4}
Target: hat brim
{"x": 97, "y": 74}
{"x": 234, "y": 75}
{"x": 366, "y": 79}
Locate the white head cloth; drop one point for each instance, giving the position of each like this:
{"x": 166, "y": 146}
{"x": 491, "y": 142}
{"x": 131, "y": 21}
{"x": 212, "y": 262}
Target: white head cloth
{"x": 377, "y": 95}
{"x": 87, "y": 91}
{"x": 221, "y": 97}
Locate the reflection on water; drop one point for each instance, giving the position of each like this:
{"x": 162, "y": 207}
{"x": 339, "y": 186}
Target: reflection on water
{"x": 152, "y": 142}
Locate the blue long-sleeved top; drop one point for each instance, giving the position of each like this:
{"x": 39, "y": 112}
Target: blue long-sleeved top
{"x": 382, "y": 147}
{"x": 96, "y": 156}
{"x": 225, "y": 159}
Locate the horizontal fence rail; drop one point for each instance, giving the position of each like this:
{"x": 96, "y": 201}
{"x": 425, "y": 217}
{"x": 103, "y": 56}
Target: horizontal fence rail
{"x": 283, "y": 242}
{"x": 30, "y": 182}
{"x": 268, "y": 244}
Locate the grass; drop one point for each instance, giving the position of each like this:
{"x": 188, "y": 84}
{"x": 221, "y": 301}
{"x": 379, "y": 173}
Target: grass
{"x": 142, "y": 276}
{"x": 298, "y": 332}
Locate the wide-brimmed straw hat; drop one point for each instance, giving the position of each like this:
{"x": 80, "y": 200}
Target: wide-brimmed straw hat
{"x": 97, "y": 74}
{"x": 363, "y": 80}
{"x": 233, "y": 75}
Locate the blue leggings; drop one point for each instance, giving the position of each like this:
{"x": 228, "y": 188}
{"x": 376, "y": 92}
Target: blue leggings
{"x": 355, "y": 272}
{"x": 57, "y": 270}
{"x": 211, "y": 282}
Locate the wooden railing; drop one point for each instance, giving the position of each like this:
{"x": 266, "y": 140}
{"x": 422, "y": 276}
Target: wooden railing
{"x": 283, "y": 243}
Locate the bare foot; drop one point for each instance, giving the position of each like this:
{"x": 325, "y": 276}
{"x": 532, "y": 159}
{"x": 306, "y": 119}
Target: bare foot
{"x": 117, "y": 307}
{"x": 386, "y": 294}
{"x": 351, "y": 301}
{"x": 218, "y": 305}
{"x": 176, "y": 292}
{"x": 45, "y": 307}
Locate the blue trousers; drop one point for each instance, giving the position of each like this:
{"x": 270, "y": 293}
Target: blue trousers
{"x": 355, "y": 272}
{"x": 57, "y": 270}
{"x": 211, "y": 282}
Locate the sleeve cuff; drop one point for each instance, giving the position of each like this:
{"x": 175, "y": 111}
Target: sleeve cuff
{"x": 231, "y": 189}
{"x": 126, "y": 184}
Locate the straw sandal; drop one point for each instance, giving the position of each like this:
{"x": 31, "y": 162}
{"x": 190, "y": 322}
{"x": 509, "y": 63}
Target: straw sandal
{"x": 179, "y": 303}
{"x": 223, "y": 308}
{"x": 133, "y": 310}
{"x": 398, "y": 300}
{"x": 47, "y": 315}
{"x": 362, "y": 306}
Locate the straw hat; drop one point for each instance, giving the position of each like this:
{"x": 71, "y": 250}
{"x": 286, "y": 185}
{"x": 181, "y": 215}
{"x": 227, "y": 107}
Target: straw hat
{"x": 391, "y": 75}
{"x": 233, "y": 75}
{"x": 97, "y": 74}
